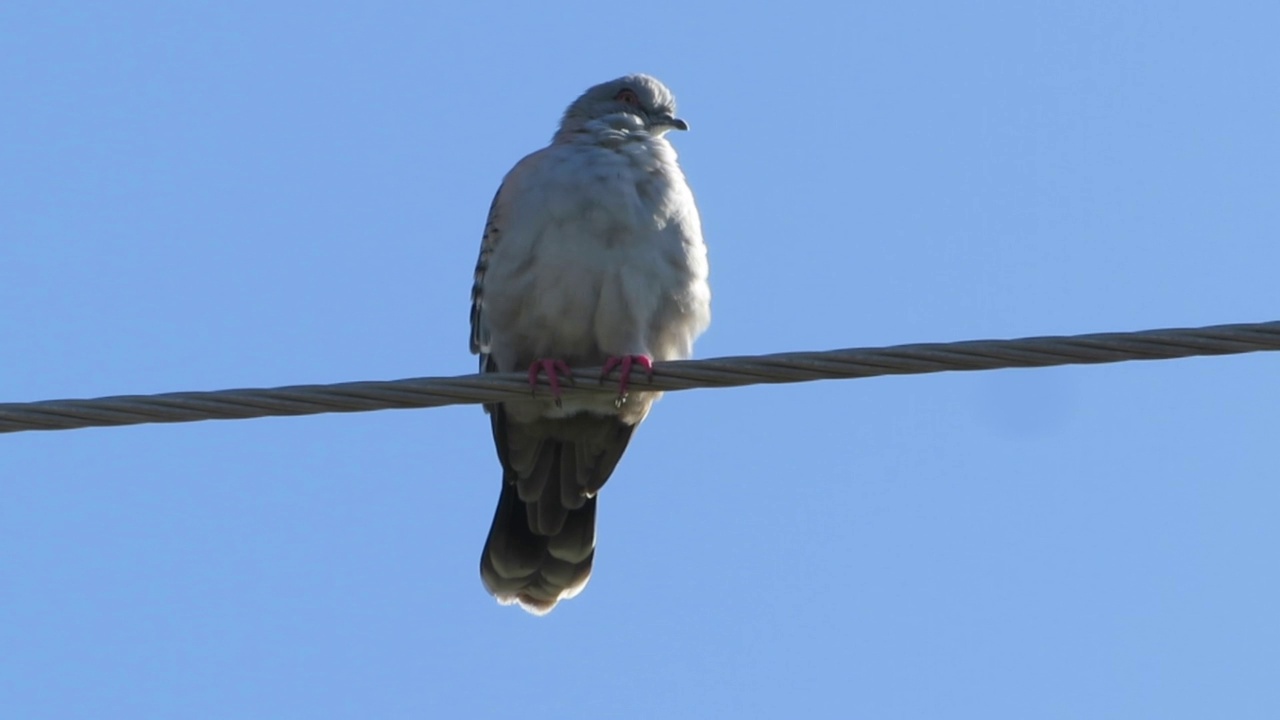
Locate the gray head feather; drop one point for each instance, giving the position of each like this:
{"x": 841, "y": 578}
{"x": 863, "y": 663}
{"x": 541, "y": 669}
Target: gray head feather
{"x": 628, "y": 101}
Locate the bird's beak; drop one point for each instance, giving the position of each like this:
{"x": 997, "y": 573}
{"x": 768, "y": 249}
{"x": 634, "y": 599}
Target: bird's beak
{"x": 671, "y": 122}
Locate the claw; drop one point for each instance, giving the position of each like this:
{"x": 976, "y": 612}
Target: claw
{"x": 553, "y": 369}
{"x": 625, "y": 363}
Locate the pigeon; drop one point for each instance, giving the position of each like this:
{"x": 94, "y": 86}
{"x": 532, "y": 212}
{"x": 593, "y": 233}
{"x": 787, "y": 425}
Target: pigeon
{"x": 592, "y": 256}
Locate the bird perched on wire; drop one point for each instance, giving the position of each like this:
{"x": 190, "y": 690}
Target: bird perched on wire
{"x": 592, "y": 256}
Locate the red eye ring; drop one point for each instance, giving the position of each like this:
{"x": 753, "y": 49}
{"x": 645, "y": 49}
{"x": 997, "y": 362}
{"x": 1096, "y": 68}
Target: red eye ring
{"x": 628, "y": 96}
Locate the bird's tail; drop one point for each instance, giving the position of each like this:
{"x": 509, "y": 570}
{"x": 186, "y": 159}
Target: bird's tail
{"x": 537, "y": 570}
{"x": 543, "y": 536}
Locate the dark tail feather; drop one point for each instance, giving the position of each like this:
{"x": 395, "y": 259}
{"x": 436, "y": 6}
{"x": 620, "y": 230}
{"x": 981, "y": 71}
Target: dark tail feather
{"x": 537, "y": 571}
{"x": 543, "y": 536}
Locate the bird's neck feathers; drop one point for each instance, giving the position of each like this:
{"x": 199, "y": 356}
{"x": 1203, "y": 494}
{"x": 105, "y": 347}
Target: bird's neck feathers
{"x": 609, "y": 131}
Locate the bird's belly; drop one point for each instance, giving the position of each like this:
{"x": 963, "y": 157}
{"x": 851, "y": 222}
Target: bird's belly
{"x": 575, "y": 286}
{"x": 597, "y": 273}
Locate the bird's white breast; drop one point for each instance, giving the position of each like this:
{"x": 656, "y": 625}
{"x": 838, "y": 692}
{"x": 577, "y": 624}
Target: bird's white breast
{"x": 601, "y": 254}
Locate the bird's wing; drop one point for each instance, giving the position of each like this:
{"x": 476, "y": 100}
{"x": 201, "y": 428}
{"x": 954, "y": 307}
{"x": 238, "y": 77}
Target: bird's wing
{"x": 479, "y": 331}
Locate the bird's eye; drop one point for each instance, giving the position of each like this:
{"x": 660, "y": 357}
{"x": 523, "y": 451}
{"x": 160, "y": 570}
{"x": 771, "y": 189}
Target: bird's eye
{"x": 627, "y": 96}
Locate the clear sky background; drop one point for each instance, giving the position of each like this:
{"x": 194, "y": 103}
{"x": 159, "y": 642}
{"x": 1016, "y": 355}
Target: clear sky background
{"x": 196, "y": 196}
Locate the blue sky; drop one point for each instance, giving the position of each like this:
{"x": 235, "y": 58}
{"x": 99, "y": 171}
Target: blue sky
{"x": 198, "y": 196}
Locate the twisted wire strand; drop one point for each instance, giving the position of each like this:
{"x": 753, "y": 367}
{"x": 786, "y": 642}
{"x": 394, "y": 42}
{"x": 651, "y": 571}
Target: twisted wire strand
{"x": 684, "y": 375}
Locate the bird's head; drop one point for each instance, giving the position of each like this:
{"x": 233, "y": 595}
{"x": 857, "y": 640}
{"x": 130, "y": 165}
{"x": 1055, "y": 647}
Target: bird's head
{"x": 634, "y": 102}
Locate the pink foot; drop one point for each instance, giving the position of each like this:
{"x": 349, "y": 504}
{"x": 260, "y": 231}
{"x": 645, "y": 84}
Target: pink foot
{"x": 625, "y": 363}
{"x": 553, "y": 369}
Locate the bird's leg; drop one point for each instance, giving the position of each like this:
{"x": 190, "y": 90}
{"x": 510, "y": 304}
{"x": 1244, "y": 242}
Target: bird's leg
{"x": 553, "y": 369}
{"x": 624, "y": 363}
